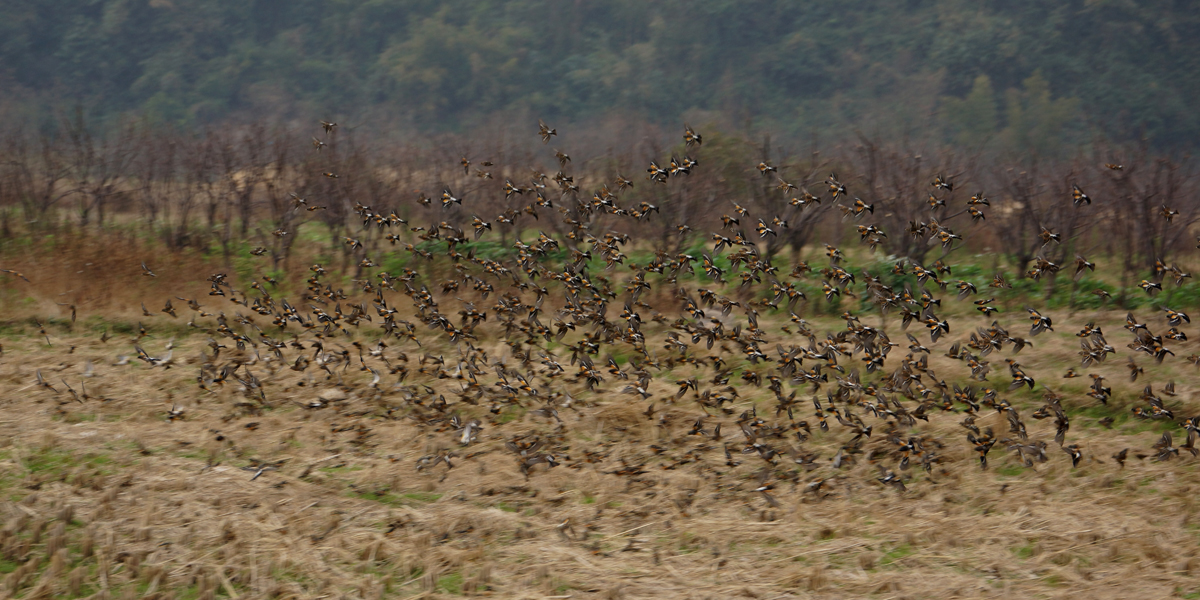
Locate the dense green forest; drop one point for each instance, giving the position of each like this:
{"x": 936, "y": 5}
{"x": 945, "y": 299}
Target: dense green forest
{"x": 1022, "y": 72}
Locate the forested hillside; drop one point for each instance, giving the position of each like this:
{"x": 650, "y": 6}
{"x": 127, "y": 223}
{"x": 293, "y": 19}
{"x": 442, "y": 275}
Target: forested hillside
{"x": 1018, "y": 71}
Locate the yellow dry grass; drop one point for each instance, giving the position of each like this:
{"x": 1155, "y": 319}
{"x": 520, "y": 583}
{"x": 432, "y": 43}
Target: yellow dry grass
{"x": 108, "y": 498}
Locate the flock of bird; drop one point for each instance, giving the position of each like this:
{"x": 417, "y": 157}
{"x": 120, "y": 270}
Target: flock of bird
{"x": 549, "y": 335}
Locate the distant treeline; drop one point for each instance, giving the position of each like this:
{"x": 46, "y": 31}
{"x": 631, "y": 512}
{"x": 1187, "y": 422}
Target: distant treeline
{"x": 1017, "y": 73}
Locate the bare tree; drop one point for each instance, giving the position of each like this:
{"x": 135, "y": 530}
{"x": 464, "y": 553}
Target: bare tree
{"x": 916, "y": 203}
{"x": 40, "y": 178}
{"x": 792, "y": 213}
{"x": 98, "y": 165}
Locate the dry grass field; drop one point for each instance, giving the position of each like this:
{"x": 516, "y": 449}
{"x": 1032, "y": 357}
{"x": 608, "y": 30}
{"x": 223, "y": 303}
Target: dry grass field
{"x": 113, "y": 496}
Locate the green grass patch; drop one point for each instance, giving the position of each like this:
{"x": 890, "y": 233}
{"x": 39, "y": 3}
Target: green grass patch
{"x": 425, "y": 497}
{"x": 1011, "y": 470}
{"x": 52, "y": 462}
{"x": 1155, "y": 426}
{"x": 8, "y": 566}
{"x": 80, "y": 417}
{"x": 895, "y": 554}
{"x": 451, "y": 583}
{"x": 1090, "y": 415}
{"x": 392, "y": 499}
{"x": 509, "y": 415}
